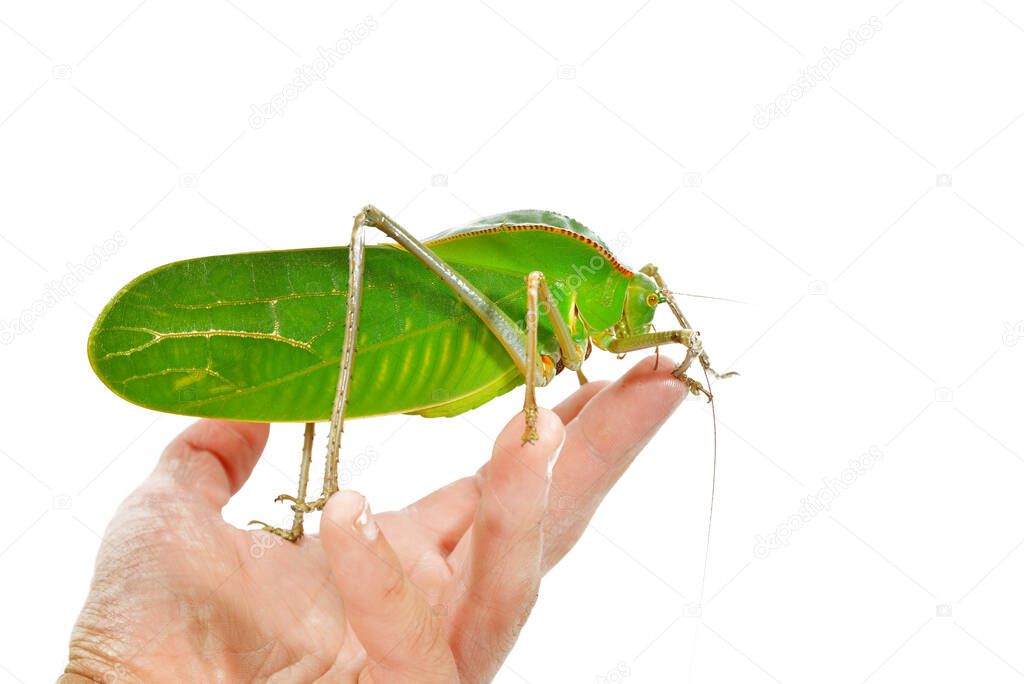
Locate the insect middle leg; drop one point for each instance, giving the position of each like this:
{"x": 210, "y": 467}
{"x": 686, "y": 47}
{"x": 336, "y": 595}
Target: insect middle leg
{"x": 497, "y": 321}
{"x": 539, "y": 296}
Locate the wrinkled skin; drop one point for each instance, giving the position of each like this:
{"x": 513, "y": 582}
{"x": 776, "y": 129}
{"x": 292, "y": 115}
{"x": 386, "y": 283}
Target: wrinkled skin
{"x": 435, "y": 592}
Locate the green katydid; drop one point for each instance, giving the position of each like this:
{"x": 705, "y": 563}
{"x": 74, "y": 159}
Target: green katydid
{"x": 433, "y": 328}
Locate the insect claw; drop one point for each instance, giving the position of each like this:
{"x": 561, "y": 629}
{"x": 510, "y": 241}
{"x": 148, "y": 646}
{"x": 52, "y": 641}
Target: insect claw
{"x": 310, "y": 506}
{"x": 706, "y": 363}
{"x": 695, "y": 387}
{"x": 530, "y": 433}
{"x": 300, "y": 506}
{"x": 292, "y": 535}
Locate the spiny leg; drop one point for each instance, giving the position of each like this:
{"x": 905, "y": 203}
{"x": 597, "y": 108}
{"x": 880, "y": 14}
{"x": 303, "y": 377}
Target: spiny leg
{"x": 538, "y": 296}
{"x": 586, "y": 355}
{"x": 353, "y": 303}
{"x": 530, "y": 400}
{"x": 496, "y": 320}
{"x": 705, "y": 362}
{"x": 299, "y": 500}
{"x": 686, "y": 337}
{"x": 356, "y": 267}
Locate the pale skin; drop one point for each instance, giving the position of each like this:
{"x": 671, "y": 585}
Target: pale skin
{"x": 435, "y": 592}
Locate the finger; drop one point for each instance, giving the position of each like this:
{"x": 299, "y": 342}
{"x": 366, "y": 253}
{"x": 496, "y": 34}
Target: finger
{"x": 403, "y": 637}
{"x": 601, "y": 443}
{"x": 575, "y": 402}
{"x": 500, "y": 564}
{"x": 214, "y": 458}
{"x": 447, "y": 513}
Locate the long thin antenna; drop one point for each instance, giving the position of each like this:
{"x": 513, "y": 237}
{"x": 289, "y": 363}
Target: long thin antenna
{"x": 703, "y": 296}
{"x": 705, "y": 364}
{"x": 714, "y": 477}
{"x": 711, "y": 515}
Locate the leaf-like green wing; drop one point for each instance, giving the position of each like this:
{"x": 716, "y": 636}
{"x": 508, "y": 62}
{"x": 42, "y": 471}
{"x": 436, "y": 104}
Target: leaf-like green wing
{"x": 258, "y": 336}
{"x": 237, "y": 325}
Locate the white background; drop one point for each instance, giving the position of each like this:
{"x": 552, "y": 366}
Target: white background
{"x": 883, "y": 304}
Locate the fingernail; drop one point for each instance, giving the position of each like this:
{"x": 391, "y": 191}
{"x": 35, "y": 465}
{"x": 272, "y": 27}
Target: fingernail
{"x": 365, "y": 523}
{"x": 553, "y": 459}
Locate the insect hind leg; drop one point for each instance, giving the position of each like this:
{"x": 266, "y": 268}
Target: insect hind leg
{"x": 496, "y": 320}
{"x": 299, "y": 505}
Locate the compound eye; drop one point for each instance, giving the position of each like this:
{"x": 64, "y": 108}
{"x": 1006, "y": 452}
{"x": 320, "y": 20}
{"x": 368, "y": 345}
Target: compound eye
{"x": 652, "y": 300}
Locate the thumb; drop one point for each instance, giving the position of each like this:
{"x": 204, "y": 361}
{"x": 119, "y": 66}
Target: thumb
{"x": 403, "y": 637}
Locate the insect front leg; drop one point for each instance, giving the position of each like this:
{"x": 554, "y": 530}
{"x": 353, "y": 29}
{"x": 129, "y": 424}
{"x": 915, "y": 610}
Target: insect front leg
{"x": 686, "y": 337}
{"x": 702, "y": 356}
{"x": 299, "y": 505}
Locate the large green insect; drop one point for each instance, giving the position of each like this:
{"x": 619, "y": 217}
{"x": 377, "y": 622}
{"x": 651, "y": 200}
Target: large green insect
{"x": 433, "y": 328}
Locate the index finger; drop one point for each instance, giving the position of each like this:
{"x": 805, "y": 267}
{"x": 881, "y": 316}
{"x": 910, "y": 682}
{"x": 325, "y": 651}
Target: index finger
{"x": 600, "y": 443}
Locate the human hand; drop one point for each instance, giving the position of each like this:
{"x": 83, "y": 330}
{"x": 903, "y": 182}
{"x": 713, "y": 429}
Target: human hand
{"x": 435, "y": 592}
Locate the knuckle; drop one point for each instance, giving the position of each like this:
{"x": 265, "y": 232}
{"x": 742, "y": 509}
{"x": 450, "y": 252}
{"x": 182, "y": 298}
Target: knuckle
{"x": 510, "y": 607}
{"x": 425, "y": 641}
{"x": 506, "y": 522}
{"x": 393, "y": 588}
{"x": 523, "y": 597}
